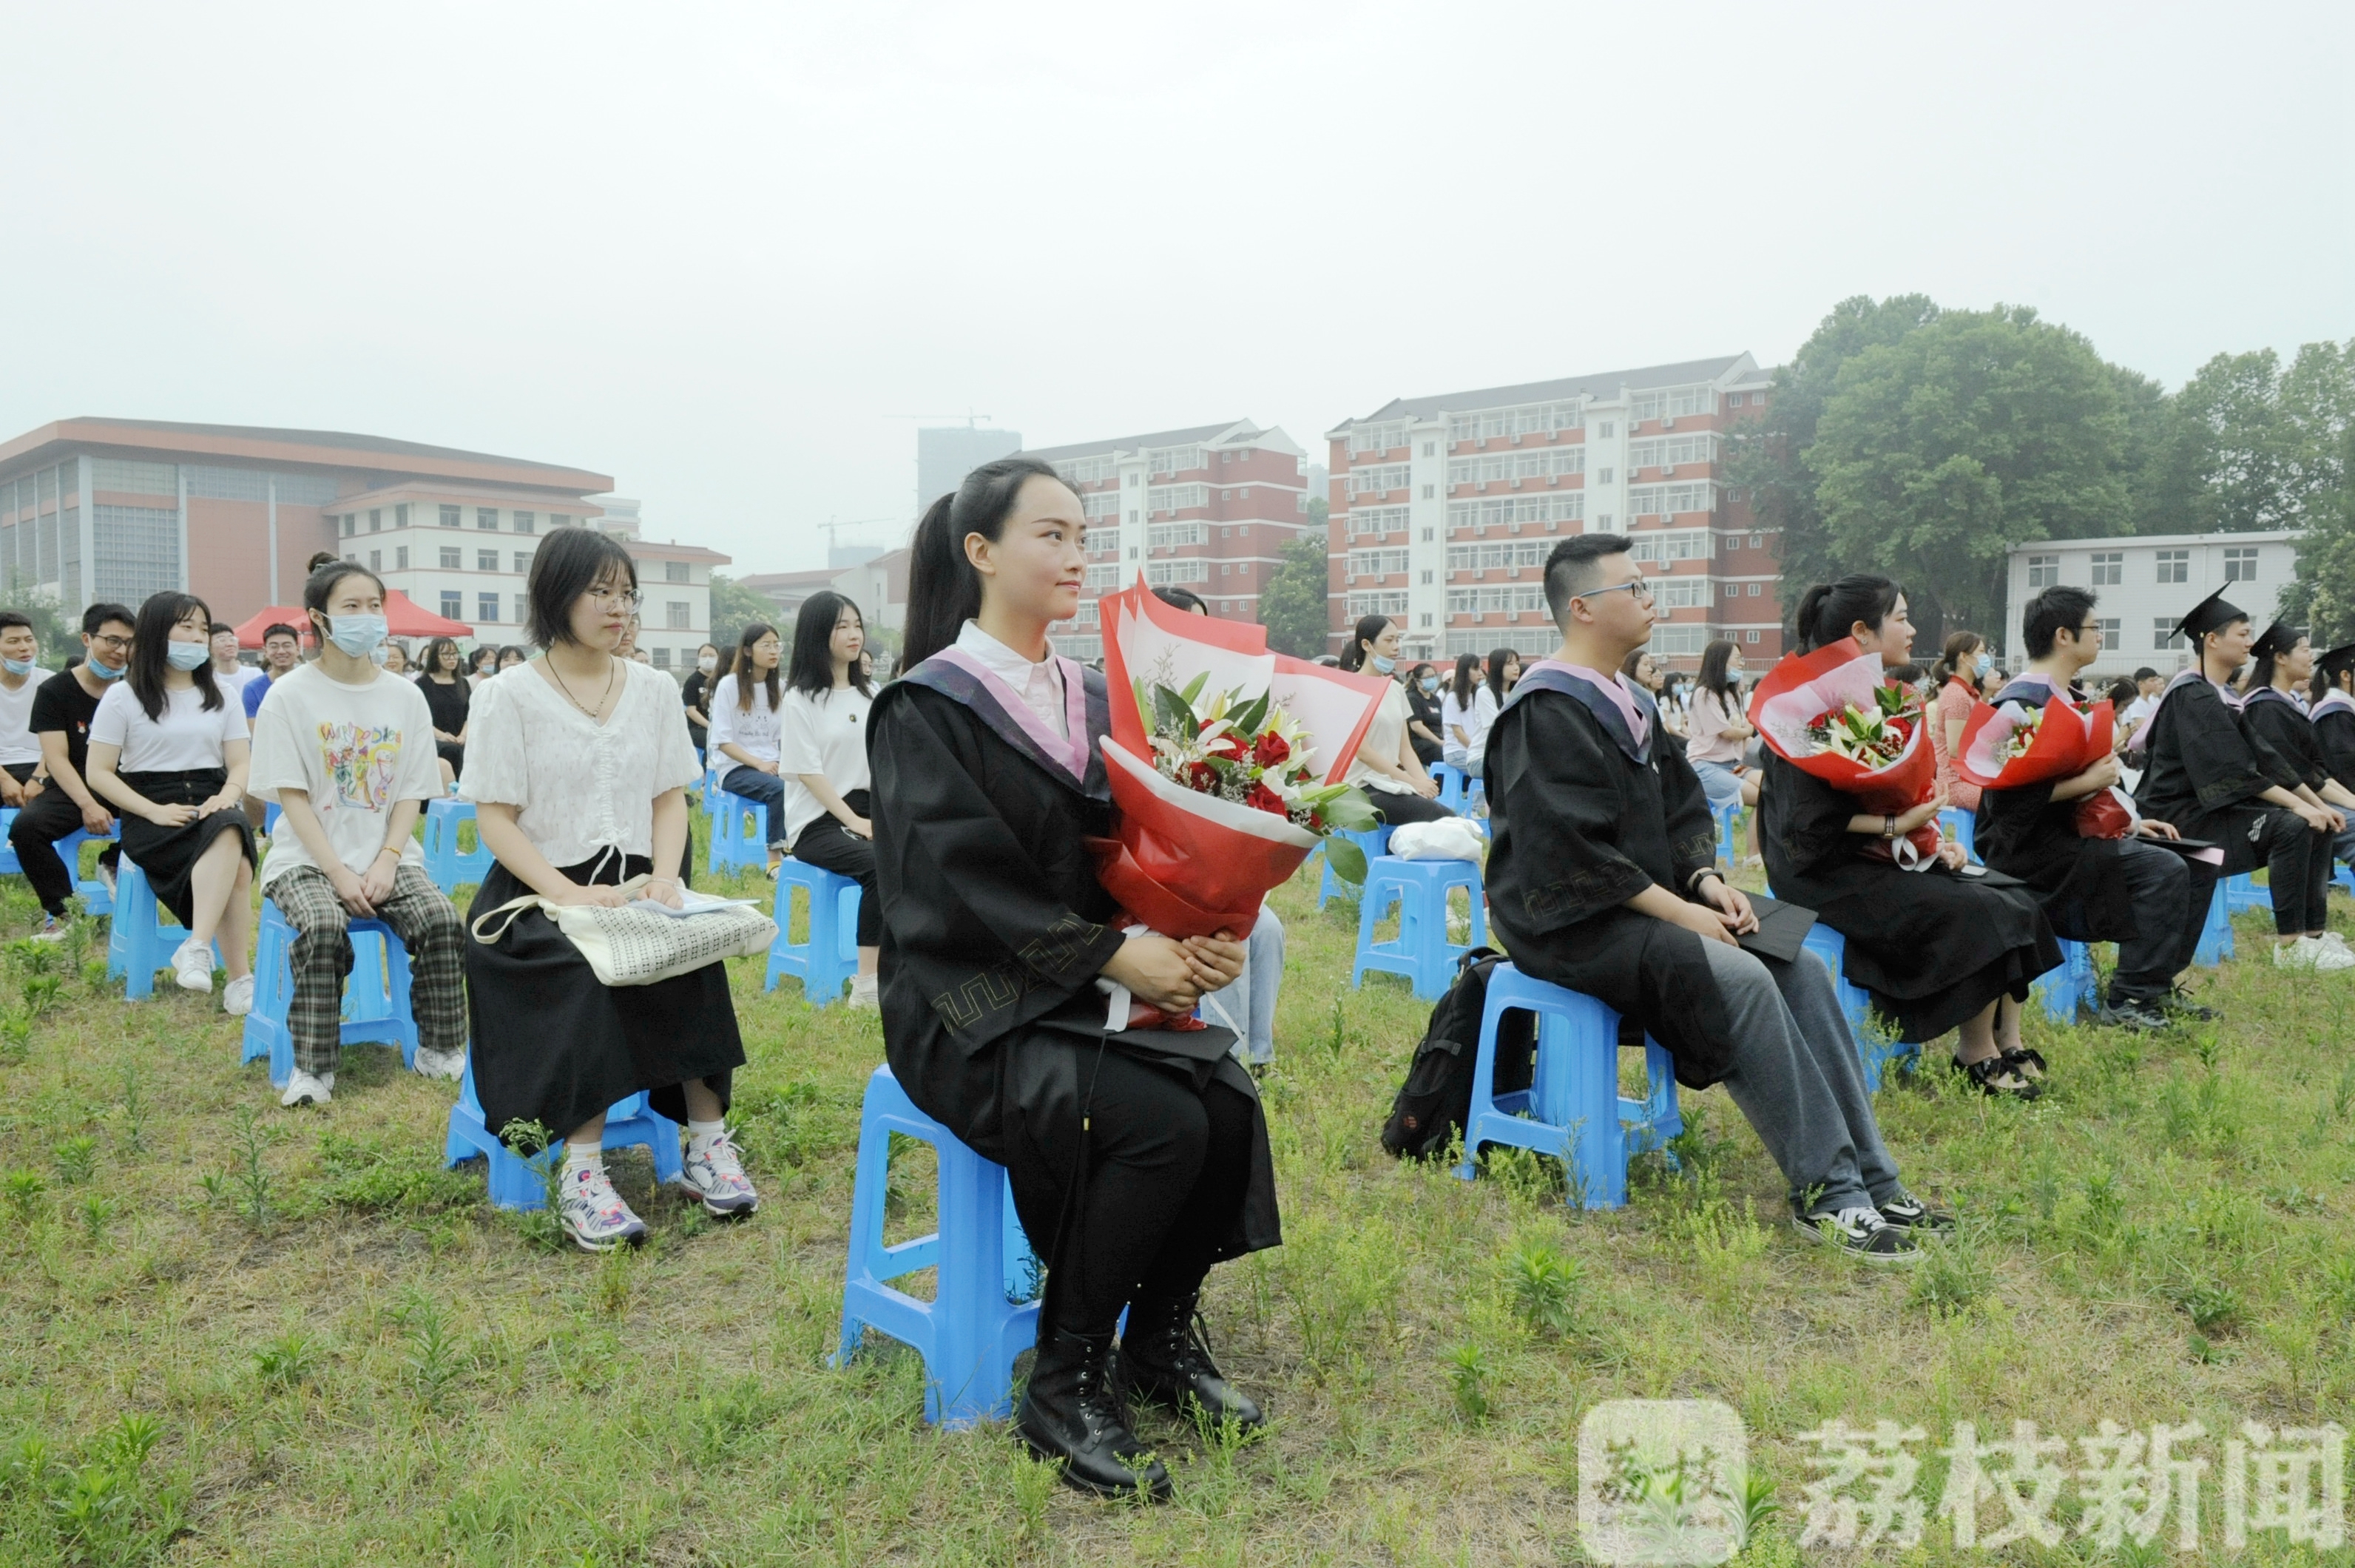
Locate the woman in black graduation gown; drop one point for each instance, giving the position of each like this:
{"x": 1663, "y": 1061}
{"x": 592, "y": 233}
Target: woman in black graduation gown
{"x": 2284, "y": 662}
{"x": 1138, "y": 1157}
{"x": 1938, "y": 949}
{"x": 2208, "y": 770}
{"x": 2330, "y": 708}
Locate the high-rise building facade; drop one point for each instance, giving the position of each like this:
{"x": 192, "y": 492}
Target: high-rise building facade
{"x": 1442, "y": 509}
{"x": 1208, "y": 510}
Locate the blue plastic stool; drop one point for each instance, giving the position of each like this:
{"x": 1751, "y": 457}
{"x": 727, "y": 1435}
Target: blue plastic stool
{"x": 1873, "y": 1053}
{"x": 516, "y": 1182}
{"x": 138, "y": 942}
{"x": 733, "y": 844}
{"x": 2344, "y": 875}
{"x": 830, "y": 957}
{"x": 8, "y": 851}
{"x": 1575, "y": 1110}
{"x": 1729, "y": 841}
{"x": 95, "y": 899}
{"x": 444, "y": 862}
{"x": 2215, "y": 937}
{"x": 2070, "y": 987}
{"x": 1372, "y": 840}
{"x": 1421, "y": 951}
{"x": 971, "y": 1331}
{"x": 1959, "y": 826}
{"x": 376, "y": 994}
{"x": 2242, "y": 893}
{"x": 1451, "y": 785}
{"x": 710, "y": 792}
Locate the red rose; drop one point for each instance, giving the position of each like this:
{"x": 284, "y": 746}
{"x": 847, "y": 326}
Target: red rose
{"x": 1266, "y": 799}
{"x": 1201, "y": 777}
{"x": 1271, "y": 750}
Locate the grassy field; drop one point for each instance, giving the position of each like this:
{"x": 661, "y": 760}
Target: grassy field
{"x": 231, "y": 1333}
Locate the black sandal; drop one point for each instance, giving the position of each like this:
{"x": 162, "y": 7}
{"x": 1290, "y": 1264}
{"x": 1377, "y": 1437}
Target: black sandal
{"x": 1995, "y": 1075}
{"x": 2026, "y": 1062}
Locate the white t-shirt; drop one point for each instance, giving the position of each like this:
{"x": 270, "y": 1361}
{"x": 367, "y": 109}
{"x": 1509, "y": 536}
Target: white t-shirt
{"x": 18, "y": 744}
{"x": 1383, "y": 740}
{"x": 1474, "y": 722}
{"x": 579, "y": 786}
{"x": 356, "y": 752}
{"x": 185, "y": 739}
{"x": 235, "y": 679}
{"x": 822, "y": 735}
{"x": 758, "y": 729}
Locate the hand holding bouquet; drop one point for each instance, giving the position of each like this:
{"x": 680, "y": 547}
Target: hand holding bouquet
{"x": 1831, "y": 714}
{"x": 2015, "y": 744}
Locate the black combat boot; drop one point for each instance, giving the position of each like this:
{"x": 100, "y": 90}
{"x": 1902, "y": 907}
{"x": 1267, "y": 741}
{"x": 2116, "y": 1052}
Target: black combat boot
{"x": 1166, "y": 1359}
{"x": 1071, "y": 1411}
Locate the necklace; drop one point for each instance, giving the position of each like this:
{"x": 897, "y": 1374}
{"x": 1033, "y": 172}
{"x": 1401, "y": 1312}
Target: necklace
{"x": 576, "y": 703}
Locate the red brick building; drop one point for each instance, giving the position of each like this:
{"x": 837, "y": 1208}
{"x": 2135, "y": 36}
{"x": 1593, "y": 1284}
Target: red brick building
{"x": 1209, "y": 510}
{"x": 1442, "y": 509}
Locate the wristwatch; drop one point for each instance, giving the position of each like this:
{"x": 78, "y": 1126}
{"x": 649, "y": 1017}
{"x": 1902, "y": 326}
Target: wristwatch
{"x": 1888, "y": 827}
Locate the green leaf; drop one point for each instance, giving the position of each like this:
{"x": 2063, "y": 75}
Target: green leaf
{"x": 1172, "y": 714}
{"x": 1248, "y": 718}
{"x": 1194, "y": 687}
{"x": 1348, "y": 862}
{"x": 1351, "y": 812}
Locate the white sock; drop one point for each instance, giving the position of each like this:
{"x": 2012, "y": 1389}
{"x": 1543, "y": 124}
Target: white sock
{"x": 700, "y": 1134}
{"x": 578, "y": 1158}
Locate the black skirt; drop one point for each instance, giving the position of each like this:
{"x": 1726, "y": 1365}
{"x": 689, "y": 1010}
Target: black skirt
{"x": 166, "y": 855}
{"x": 554, "y": 1046}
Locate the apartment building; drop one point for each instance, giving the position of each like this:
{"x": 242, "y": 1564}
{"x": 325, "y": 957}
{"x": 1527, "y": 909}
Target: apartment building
{"x": 1207, "y": 508}
{"x": 2143, "y": 584}
{"x": 1442, "y": 509}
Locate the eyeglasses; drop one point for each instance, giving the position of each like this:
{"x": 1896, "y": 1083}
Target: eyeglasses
{"x": 623, "y": 598}
{"x": 1640, "y": 589}
{"x": 110, "y": 643}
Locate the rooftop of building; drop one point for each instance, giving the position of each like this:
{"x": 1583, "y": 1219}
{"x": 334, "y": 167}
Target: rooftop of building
{"x": 2121, "y": 541}
{"x": 1231, "y": 431}
{"x": 1607, "y": 384}
{"x": 374, "y": 455}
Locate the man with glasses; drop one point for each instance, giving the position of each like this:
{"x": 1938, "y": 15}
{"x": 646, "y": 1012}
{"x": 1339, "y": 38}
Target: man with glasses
{"x": 2141, "y": 892}
{"x": 62, "y": 709}
{"x": 1603, "y": 878}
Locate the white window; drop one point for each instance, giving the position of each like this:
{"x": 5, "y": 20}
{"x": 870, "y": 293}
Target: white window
{"x": 2173, "y": 566}
{"x": 2240, "y": 563}
{"x": 1673, "y": 403}
{"x": 1087, "y": 470}
{"x": 453, "y": 558}
{"x": 1390, "y": 476}
{"x": 401, "y": 515}
{"x": 1175, "y": 460}
{"x": 1101, "y": 504}
{"x": 452, "y": 604}
{"x": 1377, "y": 519}
{"x": 1508, "y": 555}
{"x": 1680, "y": 593}
{"x": 1508, "y": 599}
{"x": 1750, "y": 637}
{"x": 1376, "y": 563}
{"x": 1668, "y": 639}
{"x": 662, "y": 658}
{"x": 486, "y": 561}
{"x": 1671, "y": 451}
{"x": 2109, "y": 568}
{"x": 1559, "y": 507}
{"x": 2043, "y": 570}
{"x": 674, "y": 613}
{"x": 1754, "y": 591}
{"x": 400, "y": 558}
{"x": 1170, "y": 536}
{"x": 1675, "y": 544}
{"x": 1733, "y": 591}
{"x": 2163, "y": 634}
{"x": 523, "y": 565}
{"x": 673, "y": 570}
{"x": 2109, "y": 625}
{"x": 1528, "y": 419}
{"x": 376, "y": 561}
{"x": 487, "y": 608}
{"x": 376, "y": 519}
{"x": 487, "y": 518}
{"x": 1672, "y": 500}
{"x": 1103, "y": 579}
{"x": 1363, "y": 605}
{"x": 451, "y": 515}
{"x": 1377, "y": 437}
{"x": 1175, "y": 497}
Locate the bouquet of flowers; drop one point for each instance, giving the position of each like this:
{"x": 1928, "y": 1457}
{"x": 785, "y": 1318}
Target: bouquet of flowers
{"x": 1831, "y": 714}
{"x": 1226, "y": 763}
{"x": 2012, "y": 745}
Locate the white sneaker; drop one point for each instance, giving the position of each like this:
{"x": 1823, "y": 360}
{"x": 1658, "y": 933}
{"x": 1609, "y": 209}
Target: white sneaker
{"x": 51, "y": 929}
{"x": 2335, "y": 942}
{"x": 593, "y": 1214}
{"x": 714, "y": 1173}
{"x": 237, "y": 997}
{"x": 106, "y": 878}
{"x": 192, "y": 966}
{"x": 2330, "y": 956}
{"x": 2296, "y": 954}
{"x": 865, "y": 990}
{"x": 302, "y": 1089}
{"x": 432, "y": 1064}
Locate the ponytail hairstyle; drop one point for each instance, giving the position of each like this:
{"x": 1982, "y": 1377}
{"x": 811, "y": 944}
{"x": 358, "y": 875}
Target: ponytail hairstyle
{"x": 751, "y": 633}
{"x": 1960, "y": 646}
{"x": 1715, "y": 660}
{"x": 1467, "y": 680}
{"x": 1367, "y": 629}
{"x": 943, "y": 590}
{"x": 1828, "y": 609}
{"x": 149, "y": 634}
{"x": 812, "y": 659}
{"x": 320, "y": 587}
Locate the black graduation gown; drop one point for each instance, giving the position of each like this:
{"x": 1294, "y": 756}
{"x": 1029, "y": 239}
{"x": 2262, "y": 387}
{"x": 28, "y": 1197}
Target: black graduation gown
{"x": 1580, "y": 821}
{"x": 2023, "y": 833}
{"x": 995, "y": 926}
{"x": 2276, "y": 718}
{"x": 2205, "y": 768}
{"x": 2334, "y": 733}
{"x": 1933, "y": 947}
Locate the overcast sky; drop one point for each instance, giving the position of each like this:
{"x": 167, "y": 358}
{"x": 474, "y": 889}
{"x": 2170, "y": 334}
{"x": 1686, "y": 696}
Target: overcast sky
{"x": 723, "y": 253}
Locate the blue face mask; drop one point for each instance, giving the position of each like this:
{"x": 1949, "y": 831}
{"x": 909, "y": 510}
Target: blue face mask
{"x": 100, "y": 671}
{"x": 357, "y": 634}
{"x": 188, "y": 656}
{"x": 17, "y": 667}
{"x": 1431, "y": 683}
{"x": 1983, "y": 662}
{"x": 1384, "y": 666}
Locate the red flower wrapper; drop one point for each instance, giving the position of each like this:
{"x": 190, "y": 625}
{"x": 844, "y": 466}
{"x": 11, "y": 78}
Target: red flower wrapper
{"x": 1225, "y": 763}
{"x": 1825, "y": 714}
{"x": 2011, "y": 746}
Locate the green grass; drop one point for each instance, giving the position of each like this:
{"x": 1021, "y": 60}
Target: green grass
{"x": 292, "y": 1338}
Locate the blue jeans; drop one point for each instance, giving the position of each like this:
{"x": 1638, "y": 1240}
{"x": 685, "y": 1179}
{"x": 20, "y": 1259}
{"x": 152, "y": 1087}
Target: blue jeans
{"x": 1248, "y": 1006}
{"x": 768, "y": 789}
{"x": 1720, "y": 783}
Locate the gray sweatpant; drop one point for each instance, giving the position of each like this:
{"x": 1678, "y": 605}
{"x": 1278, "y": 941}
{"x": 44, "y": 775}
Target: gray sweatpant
{"x": 1796, "y": 1080}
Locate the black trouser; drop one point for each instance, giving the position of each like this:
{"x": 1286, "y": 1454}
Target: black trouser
{"x": 831, "y": 846}
{"x": 2171, "y": 897}
{"x": 51, "y": 816}
{"x": 1400, "y": 809}
{"x": 1166, "y": 1169}
{"x": 2297, "y": 867}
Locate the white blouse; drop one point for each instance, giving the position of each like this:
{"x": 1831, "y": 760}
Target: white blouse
{"x": 822, "y": 735}
{"x": 757, "y": 729}
{"x": 1384, "y": 737}
{"x": 579, "y": 786}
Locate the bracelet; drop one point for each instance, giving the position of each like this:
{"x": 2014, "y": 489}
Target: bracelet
{"x": 388, "y": 849}
{"x": 1888, "y": 827}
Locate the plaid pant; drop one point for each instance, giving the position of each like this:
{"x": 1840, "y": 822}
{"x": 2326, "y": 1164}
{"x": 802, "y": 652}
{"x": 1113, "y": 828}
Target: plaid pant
{"x": 428, "y": 925}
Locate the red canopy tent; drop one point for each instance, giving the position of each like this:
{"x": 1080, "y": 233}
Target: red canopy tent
{"x": 405, "y": 617}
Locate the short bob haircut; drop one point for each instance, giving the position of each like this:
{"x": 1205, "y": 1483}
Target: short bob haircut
{"x": 570, "y": 564}
{"x": 150, "y": 633}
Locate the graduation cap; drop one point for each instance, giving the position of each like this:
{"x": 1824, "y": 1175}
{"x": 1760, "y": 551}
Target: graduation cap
{"x": 2279, "y": 639}
{"x": 2212, "y": 613}
{"x": 2335, "y": 663}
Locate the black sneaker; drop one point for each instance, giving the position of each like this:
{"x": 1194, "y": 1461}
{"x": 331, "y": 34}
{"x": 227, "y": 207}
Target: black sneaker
{"x": 1997, "y": 1075}
{"x": 2133, "y": 1014}
{"x": 2178, "y": 1004}
{"x": 1901, "y": 1210}
{"x": 1860, "y": 1232}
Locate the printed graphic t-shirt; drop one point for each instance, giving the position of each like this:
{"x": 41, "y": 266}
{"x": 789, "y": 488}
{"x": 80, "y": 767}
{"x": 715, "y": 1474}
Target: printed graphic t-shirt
{"x": 356, "y": 752}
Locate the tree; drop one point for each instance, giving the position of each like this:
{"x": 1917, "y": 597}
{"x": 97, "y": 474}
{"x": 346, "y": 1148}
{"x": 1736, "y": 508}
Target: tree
{"x": 61, "y": 639}
{"x": 1293, "y": 604}
{"x": 1974, "y": 431}
{"x": 2235, "y": 444}
{"x": 2158, "y": 484}
{"x": 735, "y": 607}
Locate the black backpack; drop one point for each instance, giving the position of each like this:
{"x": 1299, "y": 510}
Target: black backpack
{"x": 1435, "y": 1100}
